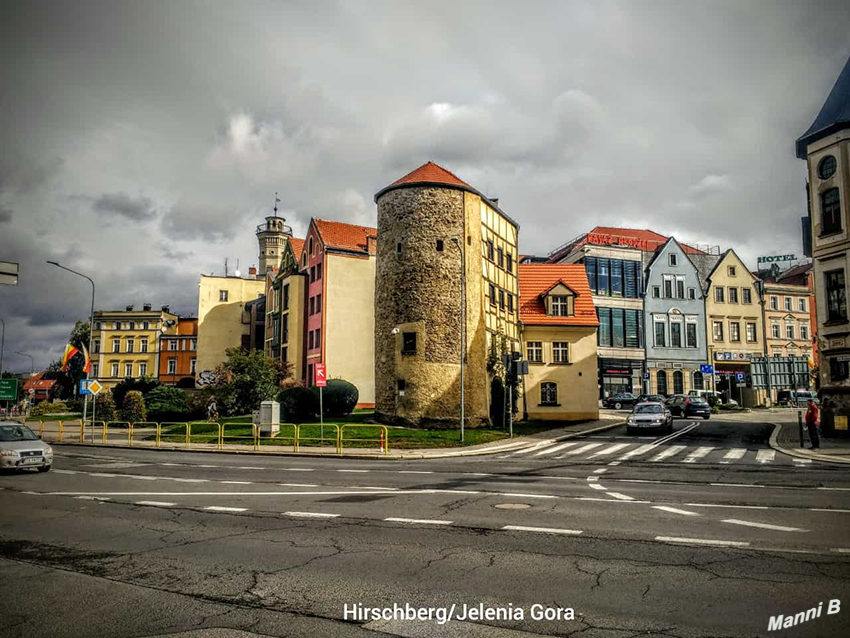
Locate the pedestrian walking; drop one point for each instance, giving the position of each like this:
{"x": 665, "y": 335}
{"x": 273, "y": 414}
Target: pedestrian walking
{"x": 812, "y": 424}
{"x": 212, "y": 411}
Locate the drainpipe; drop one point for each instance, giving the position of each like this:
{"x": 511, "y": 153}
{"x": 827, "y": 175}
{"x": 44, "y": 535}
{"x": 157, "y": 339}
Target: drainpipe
{"x": 764, "y": 340}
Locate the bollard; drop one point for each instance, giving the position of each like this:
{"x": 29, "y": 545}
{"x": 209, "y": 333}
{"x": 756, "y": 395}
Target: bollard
{"x": 800, "y": 422}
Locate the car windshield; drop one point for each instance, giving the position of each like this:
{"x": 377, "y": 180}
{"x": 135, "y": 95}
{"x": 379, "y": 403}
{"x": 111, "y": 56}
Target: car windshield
{"x": 16, "y": 433}
{"x": 649, "y": 408}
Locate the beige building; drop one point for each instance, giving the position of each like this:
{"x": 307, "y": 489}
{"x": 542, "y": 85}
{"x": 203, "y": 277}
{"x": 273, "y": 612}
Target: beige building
{"x": 787, "y": 310}
{"x": 446, "y": 252}
{"x": 285, "y": 298}
{"x": 734, "y": 325}
{"x": 559, "y": 324}
{"x": 826, "y": 148}
{"x": 125, "y": 343}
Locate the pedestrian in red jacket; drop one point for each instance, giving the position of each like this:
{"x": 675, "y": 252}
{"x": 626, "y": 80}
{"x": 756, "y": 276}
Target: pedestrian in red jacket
{"x": 812, "y": 424}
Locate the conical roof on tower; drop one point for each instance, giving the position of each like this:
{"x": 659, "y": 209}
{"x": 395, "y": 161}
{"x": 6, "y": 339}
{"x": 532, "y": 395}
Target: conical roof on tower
{"x": 834, "y": 114}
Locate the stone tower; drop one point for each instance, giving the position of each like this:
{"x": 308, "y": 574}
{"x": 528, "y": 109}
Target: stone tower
{"x": 430, "y": 223}
{"x": 272, "y": 238}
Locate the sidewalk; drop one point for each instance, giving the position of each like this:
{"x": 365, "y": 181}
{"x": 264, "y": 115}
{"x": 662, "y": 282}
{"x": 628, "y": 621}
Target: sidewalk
{"x": 786, "y": 439}
{"x": 605, "y": 422}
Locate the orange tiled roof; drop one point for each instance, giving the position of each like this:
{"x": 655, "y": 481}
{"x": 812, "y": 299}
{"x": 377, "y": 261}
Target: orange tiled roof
{"x": 649, "y": 239}
{"x": 37, "y": 382}
{"x": 537, "y": 279}
{"x": 297, "y": 247}
{"x": 430, "y": 172}
{"x": 344, "y": 236}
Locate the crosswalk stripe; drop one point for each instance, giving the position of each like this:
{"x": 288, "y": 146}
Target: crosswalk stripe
{"x": 734, "y": 454}
{"x": 589, "y": 446}
{"x": 610, "y": 450}
{"x": 697, "y": 454}
{"x": 531, "y": 448}
{"x": 552, "y": 450}
{"x": 643, "y": 449}
{"x": 670, "y": 451}
{"x": 765, "y": 456}
{"x": 802, "y": 461}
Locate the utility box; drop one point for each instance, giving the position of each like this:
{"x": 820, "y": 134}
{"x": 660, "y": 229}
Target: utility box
{"x": 268, "y": 418}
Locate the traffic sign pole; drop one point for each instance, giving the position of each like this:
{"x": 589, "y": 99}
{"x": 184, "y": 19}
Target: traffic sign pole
{"x": 321, "y": 382}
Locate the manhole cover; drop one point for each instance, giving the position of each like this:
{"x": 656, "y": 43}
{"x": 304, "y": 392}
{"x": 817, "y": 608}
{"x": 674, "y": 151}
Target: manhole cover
{"x": 513, "y": 506}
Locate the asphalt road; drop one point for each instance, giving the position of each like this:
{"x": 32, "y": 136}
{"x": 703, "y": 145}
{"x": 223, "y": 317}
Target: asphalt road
{"x": 638, "y": 536}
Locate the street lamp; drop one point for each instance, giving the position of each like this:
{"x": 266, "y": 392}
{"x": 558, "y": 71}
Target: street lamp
{"x": 91, "y": 332}
{"x": 457, "y": 243}
{"x": 32, "y": 362}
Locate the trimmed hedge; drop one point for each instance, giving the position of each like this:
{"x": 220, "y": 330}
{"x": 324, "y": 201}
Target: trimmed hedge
{"x": 298, "y": 405}
{"x": 339, "y": 398}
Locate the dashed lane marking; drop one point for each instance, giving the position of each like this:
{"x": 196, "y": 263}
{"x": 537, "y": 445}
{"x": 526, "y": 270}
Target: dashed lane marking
{"x": 520, "y": 495}
{"x": 418, "y": 521}
{"x": 608, "y": 500}
{"x": 614, "y": 463}
{"x": 743, "y": 507}
{"x": 190, "y": 480}
{"x": 622, "y": 497}
{"x": 236, "y": 482}
{"x": 777, "y": 528}
{"x": 92, "y": 498}
{"x": 298, "y": 484}
{"x": 220, "y": 508}
{"x": 841, "y": 550}
{"x": 735, "y": 485}
{"x": 835, "y": 489}
{"x": 823, "y": 509}
{"x": 354, "y": 471}
{"x": 156, "y": 503}
{"x": 592, "y": 479}
{"x": 600, "y": 471}
{"x": 311, "y": 515}
{"x": 597, "y": 486}
{"x": 701, "y": 541}
{"x": 542, "y": 530}
{"x": 765, "y": 456}
{"x": 412, "y": 472}
{"x": 802, "y": 461}
{"x": 675, "y": 510}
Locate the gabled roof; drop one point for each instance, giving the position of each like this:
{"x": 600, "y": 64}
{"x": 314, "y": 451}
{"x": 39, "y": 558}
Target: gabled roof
{"x": 661, "y": 248}
{"x": 297, "y": 246}
{"x": 727, "y": 252}
{"x": 39, "y": 382}
{"x": 345, "y": 237}
{"x": 834, "y": 114}
{"x": 537, "y": 279}
{"x": 798, "y": 275}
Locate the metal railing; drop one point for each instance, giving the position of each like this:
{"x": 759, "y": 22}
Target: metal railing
{"x": 381, "y": 440}
{"x": 321, "y": 439}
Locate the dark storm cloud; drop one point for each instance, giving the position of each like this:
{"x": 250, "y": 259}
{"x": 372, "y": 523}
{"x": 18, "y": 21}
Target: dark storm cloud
{"x": 121, "y": 204}
{"x": 5, "y": 215}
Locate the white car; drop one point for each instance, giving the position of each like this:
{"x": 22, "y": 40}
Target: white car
{"x": 20, "y": 448}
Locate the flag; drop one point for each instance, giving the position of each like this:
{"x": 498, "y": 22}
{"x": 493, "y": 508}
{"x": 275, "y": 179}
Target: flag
{"x": 87, "y": 366}
{"x": 70, "y": 353}
{"x": 811, "y": 362}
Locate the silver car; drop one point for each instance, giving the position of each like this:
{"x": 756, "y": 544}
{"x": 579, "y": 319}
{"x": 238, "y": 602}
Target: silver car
{"x": 20, "y": 448}
{"x": 647, "y": 416}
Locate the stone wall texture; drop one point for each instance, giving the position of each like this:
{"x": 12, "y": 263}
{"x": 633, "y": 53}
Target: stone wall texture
{"x": 419, "y": 290}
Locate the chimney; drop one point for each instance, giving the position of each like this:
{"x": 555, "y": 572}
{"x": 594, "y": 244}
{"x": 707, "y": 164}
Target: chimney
{"x": 371, "y": 244}
{"x": 166, "y": 308}
{"x": 495, "y": 201}
{"x": 130, "y": 308}
{"x": 252, "y": 272}
{"x": 146, "y": 307}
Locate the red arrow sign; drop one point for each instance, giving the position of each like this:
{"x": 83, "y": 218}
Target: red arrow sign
{"x": 321, "y": 375}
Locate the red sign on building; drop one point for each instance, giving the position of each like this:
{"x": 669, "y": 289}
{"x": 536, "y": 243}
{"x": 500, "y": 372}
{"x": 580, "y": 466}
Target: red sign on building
{"x": 321, "y": 375}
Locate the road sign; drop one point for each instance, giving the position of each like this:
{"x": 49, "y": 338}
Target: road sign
{"x": 321, "y": 375}
{"x": 740, "y": 377}
{"x": 706, "y": 368}
{"x": 646, "y": 376}
{"x": 84, "y": 386}
{"x": 8, "y": 389}
{"x": 94, "y": 386}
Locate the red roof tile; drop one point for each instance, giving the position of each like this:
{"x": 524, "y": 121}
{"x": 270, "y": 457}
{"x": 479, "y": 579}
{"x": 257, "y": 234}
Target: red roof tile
{"x": 537, "y": 279}
{"x": 344, "y": 236}
{"x": 38, "y": 382}
{"x": 431, "y": 172}
{"x": 647, "y": 240}
{"x": 297, "y": 247}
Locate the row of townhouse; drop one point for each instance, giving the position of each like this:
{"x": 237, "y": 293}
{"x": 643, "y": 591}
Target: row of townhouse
{"x": 666, "y": 309}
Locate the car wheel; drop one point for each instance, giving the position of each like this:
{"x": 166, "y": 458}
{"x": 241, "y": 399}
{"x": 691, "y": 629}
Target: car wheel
{"x": 630, "y": 430}
{"x": 618, "y": 405}
{"x": 706, "y": 417}
{"x": 45, "y": 468}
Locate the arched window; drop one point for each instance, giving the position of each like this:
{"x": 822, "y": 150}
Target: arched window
{"x": 548, "y": 393}
{"x": 311, "y": 247}
{"x": 661, "y": 382}
{"x": 698, "y": 381}
{"x": 678, "y": 382}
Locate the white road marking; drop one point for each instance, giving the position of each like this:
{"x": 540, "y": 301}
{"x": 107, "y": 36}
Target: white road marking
{"x": 643, "y": 449}
{"x": 64, "y": 472}
{"x": 557, "y": 448}
{"x": 103, "y": 474}
{"x": 614, "y": 463}
{"x": 610, "y": 450}
{"x": 733, "y": 455}
{"x": 189, "y": 480}
{"x": 592, "y": 479}
{"x": 697, "y": 454}
{"x": 156, "y": 503}
{"x": 802, "y": 461}
{"x": 354, "y": 471}
{"x": 236, "y": 482}
{"x": 600, "y": 471}
{"x": 700, "y": 541}
{"x": 597, "y": 486}
{"x": 249, "y": 467}
{"x": 836, "y": 489}
{"x": 582, "y": 449}
{"x": 671, "y": 450}
{"x": 765, "y": 456}
{"x": 818, "y": 509}
{"x": 171, "y": 464}
{"x": 544, "y": 530}
{"x": 219, "y": 508}
{"x": 522, "y": 495}
{"x": 93, "y": 498}
{"x": 735, "y": 485}
{"x": 841, "y": 550}
{"x": 537, "y": 446}
{"x": 778, "y": 528}
{"x": 33, "y": 493}
{"x": 143, "y": 478}
{"x": 742, "y": 507}
{"x": 420, "y": 521}
{"x": 206, "y": 466}
{"x": 608, "y": 500}
{"x": 622, "y": 497}
{"x": 675, "y": 510}
{"x": 299, "y": 469}
{"x": 311, "y": 514}
{"x": 411, "y": 472}
{"x": 477, "y": 474}
{"x": 298, "y": 484}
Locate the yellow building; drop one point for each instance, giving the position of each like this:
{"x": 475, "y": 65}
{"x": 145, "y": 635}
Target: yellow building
{"x": 559, "y": 324}
{"x": 125, "y": 343}
{"x": 222, "y": 318}
{"x": 734, "y": 326}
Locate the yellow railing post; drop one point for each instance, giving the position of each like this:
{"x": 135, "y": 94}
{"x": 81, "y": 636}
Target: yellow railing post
{"x": 220, "y": 435}
{"x": 158, "y": 433}
{"x": 188, "y": 434}
{"x": 61, "y": 423}
{"x": 130, "y": 434}
{"x": 384, "y": 440}
{"x": 105, "y": 432}
{"x": 41, "y": 428}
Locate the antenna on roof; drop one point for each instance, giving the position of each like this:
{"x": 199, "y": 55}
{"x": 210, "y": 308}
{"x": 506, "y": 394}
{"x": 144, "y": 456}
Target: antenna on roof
{"x": 225, "y": 266}
{"x": 276, "y": 200}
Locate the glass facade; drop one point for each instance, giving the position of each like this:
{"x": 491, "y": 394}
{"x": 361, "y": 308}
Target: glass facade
{"x": 614, "y": 277}
{"x": 620, "y": 328}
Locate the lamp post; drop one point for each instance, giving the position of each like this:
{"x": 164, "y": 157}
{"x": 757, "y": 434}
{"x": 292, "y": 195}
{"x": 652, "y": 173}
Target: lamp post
{"x": 91, "y": 332}
{"x": 457, "y": 243}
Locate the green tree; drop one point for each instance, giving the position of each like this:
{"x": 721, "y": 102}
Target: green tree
{"x": 246, "y": 379}
{"x": 133, "y": 410}
{"x": 143, "y": 385}
{"x": 105, "y": 406}
{"x": 167, "y": 403}
{"x": 68, "y": 382}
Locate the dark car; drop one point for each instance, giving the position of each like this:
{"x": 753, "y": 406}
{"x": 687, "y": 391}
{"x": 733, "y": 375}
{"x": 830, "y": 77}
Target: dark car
{"x": 619, "y": 401}
{"x": 651, "y": 398}
{"x": 687, "y": 406}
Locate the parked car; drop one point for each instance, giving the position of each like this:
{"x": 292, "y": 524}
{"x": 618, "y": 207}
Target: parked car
{"x": 650, "y": 398}
{"x": 795, "y": 398}
{"x": 649, "y": 416}
{"x": 688, "y": 406}
{"x": 669, "y": 400}
{"x": 620, "y": 401}
{"x": 712, "y": 397}
{"x": 20, "y": 448}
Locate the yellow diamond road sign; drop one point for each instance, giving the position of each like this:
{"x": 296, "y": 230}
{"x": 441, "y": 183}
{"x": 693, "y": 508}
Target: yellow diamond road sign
{"x": 95, "y": 387}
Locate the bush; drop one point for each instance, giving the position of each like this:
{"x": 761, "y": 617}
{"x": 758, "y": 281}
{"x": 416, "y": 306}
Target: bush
{"x": 143, "y": 385}
{"x": 299, "y": 405}
{"x": 75, "y": 405}
{"x": 104, "y": 406}
{"x": 197, "y": 402}
{"x": 339, "y": 398}
{"x": 46, "y": 407}
{"x": 167, "y": 404}
{"x": 133, "y": 410}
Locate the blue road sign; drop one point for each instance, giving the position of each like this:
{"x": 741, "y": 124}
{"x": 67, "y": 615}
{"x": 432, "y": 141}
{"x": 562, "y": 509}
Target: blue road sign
{"x": 740, "y": 377}
{"x": 706, "y": 368}
{"x": 84, "y": 386}
{"x": 646, "y": 376}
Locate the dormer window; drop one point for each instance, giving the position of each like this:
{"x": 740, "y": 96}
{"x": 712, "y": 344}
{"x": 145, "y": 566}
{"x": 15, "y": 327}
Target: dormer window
{"x": 559, "y": 306}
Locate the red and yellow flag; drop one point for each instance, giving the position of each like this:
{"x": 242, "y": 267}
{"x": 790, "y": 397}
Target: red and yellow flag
{"x": 87, "y": 366}
{"x": 70, "y": 352}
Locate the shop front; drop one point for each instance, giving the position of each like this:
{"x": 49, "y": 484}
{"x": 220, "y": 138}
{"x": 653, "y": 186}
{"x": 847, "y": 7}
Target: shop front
{"x": 620, "y": 375}
{"x": 733, "y": 378}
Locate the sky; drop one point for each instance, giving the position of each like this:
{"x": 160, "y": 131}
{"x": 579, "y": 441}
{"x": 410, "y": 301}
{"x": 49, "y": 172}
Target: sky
{"x": 143, "y": 142}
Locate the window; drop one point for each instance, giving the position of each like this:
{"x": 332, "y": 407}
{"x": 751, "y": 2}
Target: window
{"x": 590, "y": 267}
{"x": 492, "y": 295}
{"x": 501, "y": 299}
{"x": 678, "y": 382}
{"x": 616, "y": 277}
{"x": 699, "y": 383}
{"x": 95, "y": 368}
{"x": 732, "y": 271}
{"x": 751, "y": 333}
{"x": 398, "y": 248}
{"x": 286, "y": 297}
{"x": 836, "y": 300}
{"x": 560, "y": 352}
{"x": 131, "y": 344}
{"x": 801, "y": 305}
{"x": 490, "y": 250}
{"x": 510, "y": 302}
{"x": 310, "y": 379}
{"x": 747, "y": 295}
{"x": 116, "y": 346}
{"x": 560, "y": 306}
{"x": 661, "y": 382}
{"x": 734, "y": 331}
{"x": 193, "y": 364}
{"x": 718, "y": 294}
{"x": 774, "y": 330}
{"x": 304, "y": 260}
{"x": 319, "y": 271}
{"x": 656, "y": 292}
{"x": 838, "y": 370}
{"x": 826, "y": 167}
{"x": 310, "y": 339}
{"x": 408, "y": 343}
{"x": 145, "y": 325}
{"x": 788, "y": 304}
{"x": 313, "y": 273}
{"x": 116, "y": 326}
{"x": 509, "y": 262}
{"x": 312, "y": 305}
{"x": 691, "y": 334}
{"x": 143, "y": 345}
{"x": 717, "y": 327}
{"x": 400, "y": 386}
{"x": 804, "y": 331}
{"x": 830, "y": 204}
{"x": 680, "y": 288}
{"x": 319, "y": 302}
{"x": 439, "y": 245}
{"x": 618, "y": 327}
{"x": 318, "y": 337}
{"x": 143, "y": 370}
{"x": 97, "y": 325}
{"x": 692, "y": 293}
{"x": 222, "y": 295}
{"x": 548, "y": 393}
{"x": 132, "y": 325}
{"x": 789, "y": 331}
{"x": 95, "y": 346}
{"x": 128, "y": 369}
{"x": 114, "y": 370}
{"x": 673, "y": 259}
{"x": 676, "y": 334}
{"x": 172, "y": 344}
{"x": 660, "y": 334}
{"x": 733, "y": 295}
{"x": 285, "y": 330}
{"x": 603, "y": 337}
{"x": 312, "y": 247}
{"x": 602, "y": 278}
{"x": 668, "y": 288}
{"x": 774, "y": 302}
{"x": 501, "y": 256}
{"x": 534, "y": 351}
{"x": 634, "y": 328}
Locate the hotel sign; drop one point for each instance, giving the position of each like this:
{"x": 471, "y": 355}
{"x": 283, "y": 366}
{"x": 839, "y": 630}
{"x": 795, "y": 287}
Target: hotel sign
{"x": 774, "y": 258}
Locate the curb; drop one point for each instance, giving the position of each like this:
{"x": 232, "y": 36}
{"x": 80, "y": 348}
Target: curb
{"x": 827, "y": 458}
